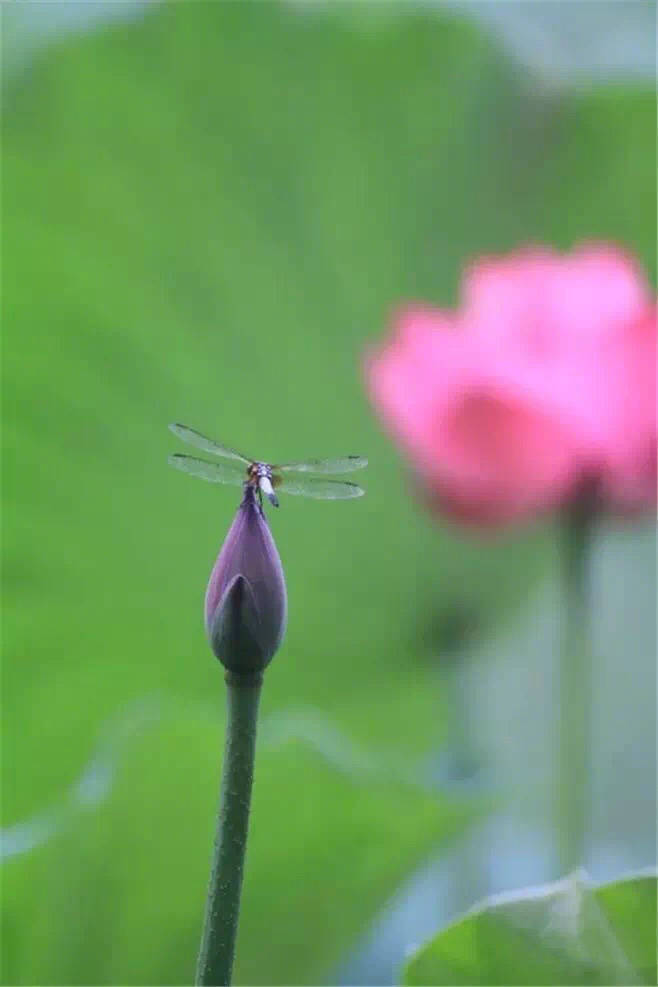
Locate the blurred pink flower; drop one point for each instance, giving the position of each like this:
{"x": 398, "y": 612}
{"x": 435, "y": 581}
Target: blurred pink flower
{"x": 540, "y": 386}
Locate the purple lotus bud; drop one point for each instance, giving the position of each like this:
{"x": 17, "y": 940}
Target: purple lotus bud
{"x": 246, "y": 602}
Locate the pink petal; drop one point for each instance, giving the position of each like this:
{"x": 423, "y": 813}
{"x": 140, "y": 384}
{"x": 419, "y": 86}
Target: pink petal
{"x": 547, "y": 301}
{"x": 498, "y": 460}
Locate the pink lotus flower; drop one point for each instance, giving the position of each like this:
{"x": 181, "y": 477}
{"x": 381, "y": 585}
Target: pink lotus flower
{"x": 541, "y": 386}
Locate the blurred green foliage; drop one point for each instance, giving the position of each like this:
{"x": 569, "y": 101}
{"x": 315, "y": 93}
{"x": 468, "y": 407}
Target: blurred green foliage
{"x": 562, "y": 933}
{"x": 207, "y": 215}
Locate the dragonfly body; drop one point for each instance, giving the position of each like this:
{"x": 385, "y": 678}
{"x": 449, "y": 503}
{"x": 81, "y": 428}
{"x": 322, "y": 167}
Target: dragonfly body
{"x": 260, "y": 475}
{"x": 263, "y": 477}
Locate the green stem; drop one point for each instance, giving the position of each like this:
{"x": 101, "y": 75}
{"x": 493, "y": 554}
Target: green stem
{"x": 575, "y": 690}
{"x": 223, "y": 906}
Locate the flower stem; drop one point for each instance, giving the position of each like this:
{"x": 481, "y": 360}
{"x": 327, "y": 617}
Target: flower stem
{"x": 220, "y": 928}
{"x": 575, "y": 692}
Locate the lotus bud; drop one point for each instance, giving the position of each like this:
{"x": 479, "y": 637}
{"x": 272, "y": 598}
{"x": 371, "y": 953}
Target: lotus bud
{"x": 246, "y": 602}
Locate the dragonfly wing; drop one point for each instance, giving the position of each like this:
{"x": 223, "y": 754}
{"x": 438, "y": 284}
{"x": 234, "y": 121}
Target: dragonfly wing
{"x": 320, "y": 489}
{"x": 345, "y": 464}
{"x": 213, "y": 472}
{"x": 195, "y": 438}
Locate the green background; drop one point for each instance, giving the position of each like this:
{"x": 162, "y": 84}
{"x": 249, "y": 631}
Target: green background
{"x": 208, "y": 215}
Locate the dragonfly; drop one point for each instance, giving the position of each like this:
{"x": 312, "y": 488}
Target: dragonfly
{"x": 266, "y": 478}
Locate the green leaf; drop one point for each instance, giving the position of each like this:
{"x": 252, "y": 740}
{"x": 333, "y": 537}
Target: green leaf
{"x": 568, "y": 932}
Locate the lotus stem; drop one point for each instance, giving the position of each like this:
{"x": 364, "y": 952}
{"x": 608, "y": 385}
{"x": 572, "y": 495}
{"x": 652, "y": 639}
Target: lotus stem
{"x": 215, "y": 964}
{"x": 575, "y": 692}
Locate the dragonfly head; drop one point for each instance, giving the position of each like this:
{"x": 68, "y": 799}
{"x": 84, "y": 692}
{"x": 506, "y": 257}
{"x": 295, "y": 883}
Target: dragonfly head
{"x": 264, "y": 480}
